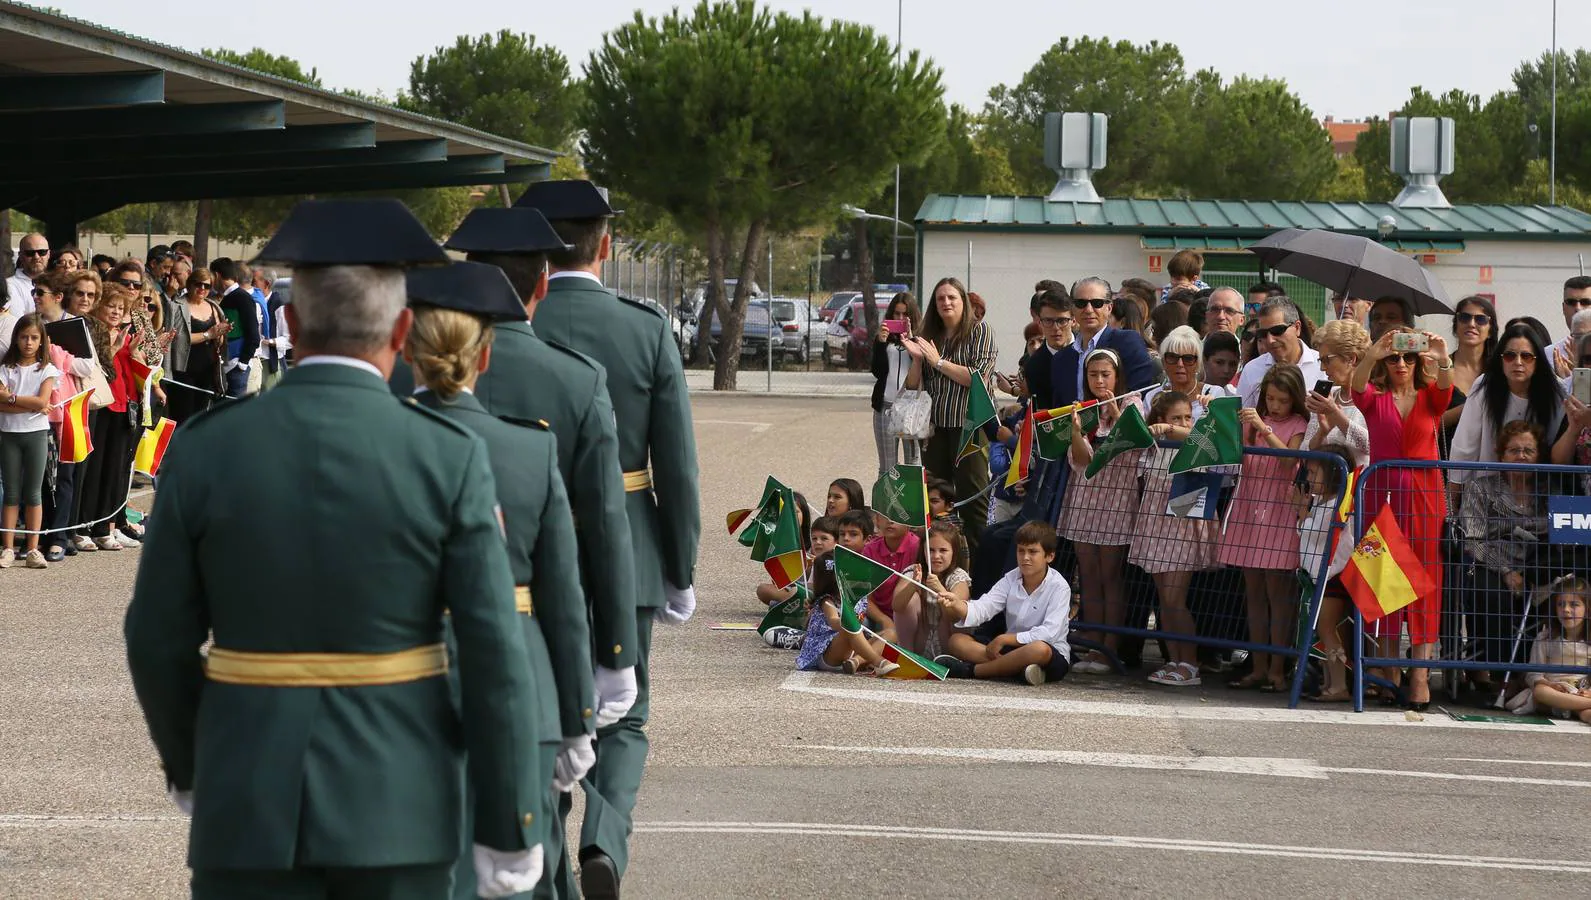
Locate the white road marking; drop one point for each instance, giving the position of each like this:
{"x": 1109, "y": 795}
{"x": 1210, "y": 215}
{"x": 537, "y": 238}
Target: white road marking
{"x": 756, "y": 427}
{"x": 1276, "y": 767}
{"x": 1116, "y": 842}
{"x": 1517, "y": 762}
{"x": 940, "y": 696}
{"x": 23, "y": 820}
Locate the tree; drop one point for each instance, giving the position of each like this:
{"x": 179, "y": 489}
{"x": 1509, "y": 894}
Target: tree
{"x": 1142, "y": 88}
{"x": 1252, "y": 139}
{"x": 739, "y": 121}
{"x": 265, "y": 62}
{"x": 502, "y": 84}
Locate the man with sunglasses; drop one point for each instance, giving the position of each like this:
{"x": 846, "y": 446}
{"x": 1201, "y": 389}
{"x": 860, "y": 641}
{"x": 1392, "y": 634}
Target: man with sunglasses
{"x": 1278, "y": 327}
{"x": 1091, "y": 330}
{"x": 33, "y": 257}
{"x": 1576, "y": 296}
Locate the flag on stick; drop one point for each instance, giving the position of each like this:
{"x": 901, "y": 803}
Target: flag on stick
{"x": 1383, "y": 574}
{"x": 1199, "y": 495}
{"x": 782, "y": 555}
{"x": 1053, "y": 427}
{"x": 980, "y": 410}
{"x": 858, "y": 577}
{"x": 1022, "y": 458}
{"x": 1215, "y": 440}
{"x": 912, "y": 666}
{"x": 76, "y": 444}
{"x": 152, "y": 447}
{"x": 771, "y": 488}
{"x": 792, "y": 613}
{"x": 145, "y": 377}
{"x": 1130, "y": 433}
{"x": 901, "y": 496}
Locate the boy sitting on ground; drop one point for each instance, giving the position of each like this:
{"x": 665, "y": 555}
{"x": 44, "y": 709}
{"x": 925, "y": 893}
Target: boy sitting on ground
{"x": 1037, "y": 604}
{"x": 856, "y": 526}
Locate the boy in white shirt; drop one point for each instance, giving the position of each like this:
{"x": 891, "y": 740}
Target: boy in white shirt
{"x": 1037, "y": 603}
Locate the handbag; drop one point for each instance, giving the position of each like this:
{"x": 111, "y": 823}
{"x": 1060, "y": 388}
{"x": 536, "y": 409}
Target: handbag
{"x": 95, "y": 381}
{"x": 911, "y": 416}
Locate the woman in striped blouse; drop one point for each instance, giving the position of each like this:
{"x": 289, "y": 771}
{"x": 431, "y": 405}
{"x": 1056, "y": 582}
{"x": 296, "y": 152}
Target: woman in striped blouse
{"x": 954, "y": 347}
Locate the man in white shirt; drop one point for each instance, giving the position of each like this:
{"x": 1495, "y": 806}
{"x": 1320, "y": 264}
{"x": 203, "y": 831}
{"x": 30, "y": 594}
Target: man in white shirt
{"x": 1576, "y": 297}
{"x": 33, "y": 257}
{"x": 1037, "y": 603}
{"x": 1279, "y": 342}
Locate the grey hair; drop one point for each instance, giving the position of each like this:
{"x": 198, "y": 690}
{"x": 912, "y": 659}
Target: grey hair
{"x": 1110, "y": 294}
{"x": 268, "y": 274}
{"x": 1183, "y": 339}
{"x": 1281, "y": 302}
{"x": 1583, "y": 317}
{"x": 1241, "y": 298}
{"x": 348, "y": 310}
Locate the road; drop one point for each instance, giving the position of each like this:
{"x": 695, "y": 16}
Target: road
{"x": 764, "y": 782}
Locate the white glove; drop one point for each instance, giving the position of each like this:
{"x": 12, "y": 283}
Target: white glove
{"x": 576, "y": 756}
{"x": 504, "y": 874}
{"x": 616, "y": 693}
{"x": 681, "y": 603}
{"x": 183, "y": 799}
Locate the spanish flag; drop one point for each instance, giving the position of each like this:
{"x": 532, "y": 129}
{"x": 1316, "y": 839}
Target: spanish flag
{"x": 911, "y": 666}
{"x": 1384, "y": 575}
{"x": 1022, "y": 456}
{"x": 144, "y": 380}
{"x": 75, "y": 442}
{"x": 152, "y": 447}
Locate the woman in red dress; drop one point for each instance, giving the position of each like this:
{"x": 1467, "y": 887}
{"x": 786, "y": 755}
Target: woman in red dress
{"x": 1403, "y": 407}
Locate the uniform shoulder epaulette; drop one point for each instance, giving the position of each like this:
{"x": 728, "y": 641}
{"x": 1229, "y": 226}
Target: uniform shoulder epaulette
{"x": 639, "y": 305}
{"x": 572, "y": 352}
{"x": 217, "y": 408}
{"x": 433, "y": 415}
{"x": 538, "y": 424}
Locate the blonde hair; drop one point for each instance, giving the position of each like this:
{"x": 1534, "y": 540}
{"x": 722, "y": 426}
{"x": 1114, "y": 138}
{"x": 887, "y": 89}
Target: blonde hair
{"x": 1343, "y": 337}
{"x": 446, "y": 346}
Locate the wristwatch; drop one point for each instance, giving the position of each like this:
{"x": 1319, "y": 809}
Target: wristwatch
{"x": 940, "y": 365}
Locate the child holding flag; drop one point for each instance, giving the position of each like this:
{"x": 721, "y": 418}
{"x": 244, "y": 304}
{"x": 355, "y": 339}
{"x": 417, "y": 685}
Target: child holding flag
{"x": 1037, "y": 603}
{"x": 26, "y": 380}
{"x": 829, "y": 646}
{"x": 921, "y": 627}
{"x": 771, "y": 594}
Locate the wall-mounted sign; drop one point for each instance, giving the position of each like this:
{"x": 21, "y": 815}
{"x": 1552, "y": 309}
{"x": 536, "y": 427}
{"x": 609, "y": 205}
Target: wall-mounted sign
{"x": 1428, "y": 259}
{"x": 1154, "y": 264}
{"x": 1486, "y": 275}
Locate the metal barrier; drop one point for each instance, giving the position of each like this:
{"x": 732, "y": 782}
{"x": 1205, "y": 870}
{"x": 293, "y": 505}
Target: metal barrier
{"x": 1225, "y": 574}
{"x": 1494, "y": 538}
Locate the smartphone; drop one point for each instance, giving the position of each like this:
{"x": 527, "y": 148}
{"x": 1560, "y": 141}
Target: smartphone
{"x": 1323, "y": 387}
{"x": 1410, "y": 342}
{"x": 897, "y": 326}
{"x": 1582, "y": 385}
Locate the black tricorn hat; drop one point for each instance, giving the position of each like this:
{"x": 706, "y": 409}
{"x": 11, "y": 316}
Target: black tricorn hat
{"x": 367, "y": 232}
{"x": 573, "y": 199}
{"x": 519, "y": 229}
{"x": 470, "y": 287}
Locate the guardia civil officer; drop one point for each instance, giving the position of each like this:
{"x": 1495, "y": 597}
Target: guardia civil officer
{"x": 317, "y": 748}
{"x": 448, "y": 347}
{"x": 657, "y": 450}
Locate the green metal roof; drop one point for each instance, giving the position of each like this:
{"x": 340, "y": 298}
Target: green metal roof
{"x": 1249, "y": 218}
{"x": 1213, "y": 244}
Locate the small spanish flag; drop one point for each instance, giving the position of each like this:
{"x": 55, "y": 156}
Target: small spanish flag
{"x": 1384, "y": 575}
{"x": 152, "y": 447}
{"x": 1022, "y": 456}
{"x": 737, "y": 518}
{"x": 786, "y": 568}
{"x": 76, "y": 444}
{"x": 911, "y": 666}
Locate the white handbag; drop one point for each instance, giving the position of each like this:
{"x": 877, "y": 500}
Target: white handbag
{"x": 911, "y": 416}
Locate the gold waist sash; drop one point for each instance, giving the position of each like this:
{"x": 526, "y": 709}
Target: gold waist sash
{"x": 325, "y": 669}
{"x": 637, "y": 481}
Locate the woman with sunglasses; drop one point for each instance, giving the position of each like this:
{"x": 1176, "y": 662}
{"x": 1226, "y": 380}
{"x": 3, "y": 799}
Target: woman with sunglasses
{"x": 207, "y": 329}
{"x": 1517, "y": 385}
{"x": 1573, "y": 447}
{"x": 1401, "y": 405}
{"x": 1475, "y": 328}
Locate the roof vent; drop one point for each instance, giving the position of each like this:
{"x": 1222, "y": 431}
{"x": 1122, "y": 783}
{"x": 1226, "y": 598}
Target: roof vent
{"x": 1422, "y": 152}
{"x": 1074, "y": 146}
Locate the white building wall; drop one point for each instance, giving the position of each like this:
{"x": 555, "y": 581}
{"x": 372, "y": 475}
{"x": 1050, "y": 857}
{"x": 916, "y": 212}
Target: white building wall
{"x": 1526, "y": 276}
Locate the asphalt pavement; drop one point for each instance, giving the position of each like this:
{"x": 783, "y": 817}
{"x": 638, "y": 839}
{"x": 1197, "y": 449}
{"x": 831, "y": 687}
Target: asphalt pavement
{"x": 764, "y": 782}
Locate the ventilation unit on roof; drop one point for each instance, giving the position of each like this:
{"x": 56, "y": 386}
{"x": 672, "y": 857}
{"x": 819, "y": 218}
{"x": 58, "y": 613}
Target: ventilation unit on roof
{"x": 1422, "y": 152}
{"x": 1074, "y": 146}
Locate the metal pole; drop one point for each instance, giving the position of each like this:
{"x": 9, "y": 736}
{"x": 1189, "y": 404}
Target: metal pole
{"x": 900, "y": 18}
{"x": 770, "y": 315}
{"x": 1552, "y": 176}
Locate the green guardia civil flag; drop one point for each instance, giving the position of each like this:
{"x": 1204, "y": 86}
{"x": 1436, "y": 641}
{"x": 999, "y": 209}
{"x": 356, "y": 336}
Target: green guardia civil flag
{"x": 1216, "y": 439}
{"x": 1053, "y": 429}
{"x": 771, "y": 488}
{"x": 792, "y": 612}
{"x": 1130, "y": 433}
{"x": 857, "y": 577}
{"x": 901, "y": 495}
{"x": 980, "y": 410}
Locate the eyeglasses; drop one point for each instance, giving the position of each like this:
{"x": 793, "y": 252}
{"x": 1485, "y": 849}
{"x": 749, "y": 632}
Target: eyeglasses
{"x": 1477, "y": 318}
{"x": 1184, "y": 359}
{"x": 1581, "y": 302}
{"x": 1521, "y": 452}
{"x": 40, "y": 292}
{"x": 202, "y": 286}
{"x": 128, "y": 283}
{"x": 91, "y": 295}
{"x": 1521, "y": 355}
{"x": 1080, "y": 303}
{"x": 46, "y": 252}
{"x": 1276, "y": 330}
{"x": 1328, "y": 357}
{"x": 1224, "y": 311}
{"x": 1055, "y": 321}
{"x": 1408, "y": 359}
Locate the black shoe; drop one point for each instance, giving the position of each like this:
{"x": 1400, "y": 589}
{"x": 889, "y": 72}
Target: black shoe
{"x": 958, "y": 669}
{"x": 599, "y": 877}
{"x": 70, "y": 550}
{"x": 55, "y": 554}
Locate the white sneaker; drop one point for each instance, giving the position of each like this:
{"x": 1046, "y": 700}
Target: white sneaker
{"x": 35, "y": 560}
{"x": 1092, "y": 667}
{"x": 108, "y": 542}
{"x": 1034, "y": 675}
{"x": 7, "y": 557}
{"x": 82, "y": 543}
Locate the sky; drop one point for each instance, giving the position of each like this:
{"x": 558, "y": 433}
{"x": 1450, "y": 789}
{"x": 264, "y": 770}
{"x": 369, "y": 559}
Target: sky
{"x": 1345, "y": 58}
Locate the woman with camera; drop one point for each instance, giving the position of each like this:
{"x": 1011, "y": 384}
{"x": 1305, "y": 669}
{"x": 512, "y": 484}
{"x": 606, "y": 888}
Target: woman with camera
{"x": 890, "y": 365}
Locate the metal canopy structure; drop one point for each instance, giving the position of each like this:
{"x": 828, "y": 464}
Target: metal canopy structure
{"x": 92, "y": 119}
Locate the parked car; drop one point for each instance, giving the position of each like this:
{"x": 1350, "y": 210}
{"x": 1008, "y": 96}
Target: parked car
{"x": 848, "y": 342}
{"x": 842, "y": 299}
{"x": 802, "y": 334}
{"x": 754, "y": 335}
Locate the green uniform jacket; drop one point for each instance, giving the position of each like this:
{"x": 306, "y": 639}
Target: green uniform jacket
{"x": 633, "y": 344}
{"x": 361, "y": 518}
{"x": 541, "y": 553}
{"x": 532, "y": 379}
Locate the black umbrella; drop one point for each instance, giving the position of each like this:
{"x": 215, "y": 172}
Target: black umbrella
{"x": 1353, "y": 266}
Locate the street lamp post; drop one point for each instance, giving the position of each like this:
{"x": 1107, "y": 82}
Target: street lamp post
{"x": 858, "y": 213}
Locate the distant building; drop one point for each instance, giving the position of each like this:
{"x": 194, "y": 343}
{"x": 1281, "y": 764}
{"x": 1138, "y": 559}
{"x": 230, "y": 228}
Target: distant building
{"x": 1344, "y": 134}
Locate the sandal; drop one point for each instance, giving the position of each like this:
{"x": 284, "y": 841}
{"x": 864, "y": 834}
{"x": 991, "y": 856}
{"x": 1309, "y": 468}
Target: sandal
{"x": 1178, "y": 675}
{"x": 1340, "y": 695}
{"x": 1246, "y": 683}
{"x": 1274, "y": 686}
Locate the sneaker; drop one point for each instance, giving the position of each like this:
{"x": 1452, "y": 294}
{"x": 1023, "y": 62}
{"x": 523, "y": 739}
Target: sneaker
{"x": 107, "y": 542}
{"x": 127, "y": 537}
{"x": 55, "y": 553}
{"x": 958, "y": 669}
{"x": 1033, "y": 674}
{"x": 35, "y": 560}
{"x": 83, "y": 543}
{"x": 783, "y": 637}
{"x": 1092, "y": 667}
{"x": 7, "y": 557}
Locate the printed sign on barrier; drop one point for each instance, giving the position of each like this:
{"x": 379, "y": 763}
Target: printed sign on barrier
{"x": 1570, "y": 518}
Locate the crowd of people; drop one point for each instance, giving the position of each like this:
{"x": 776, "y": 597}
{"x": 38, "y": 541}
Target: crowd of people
{"x": 213, "y": 331}
{"x": 1349, "y": 392}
